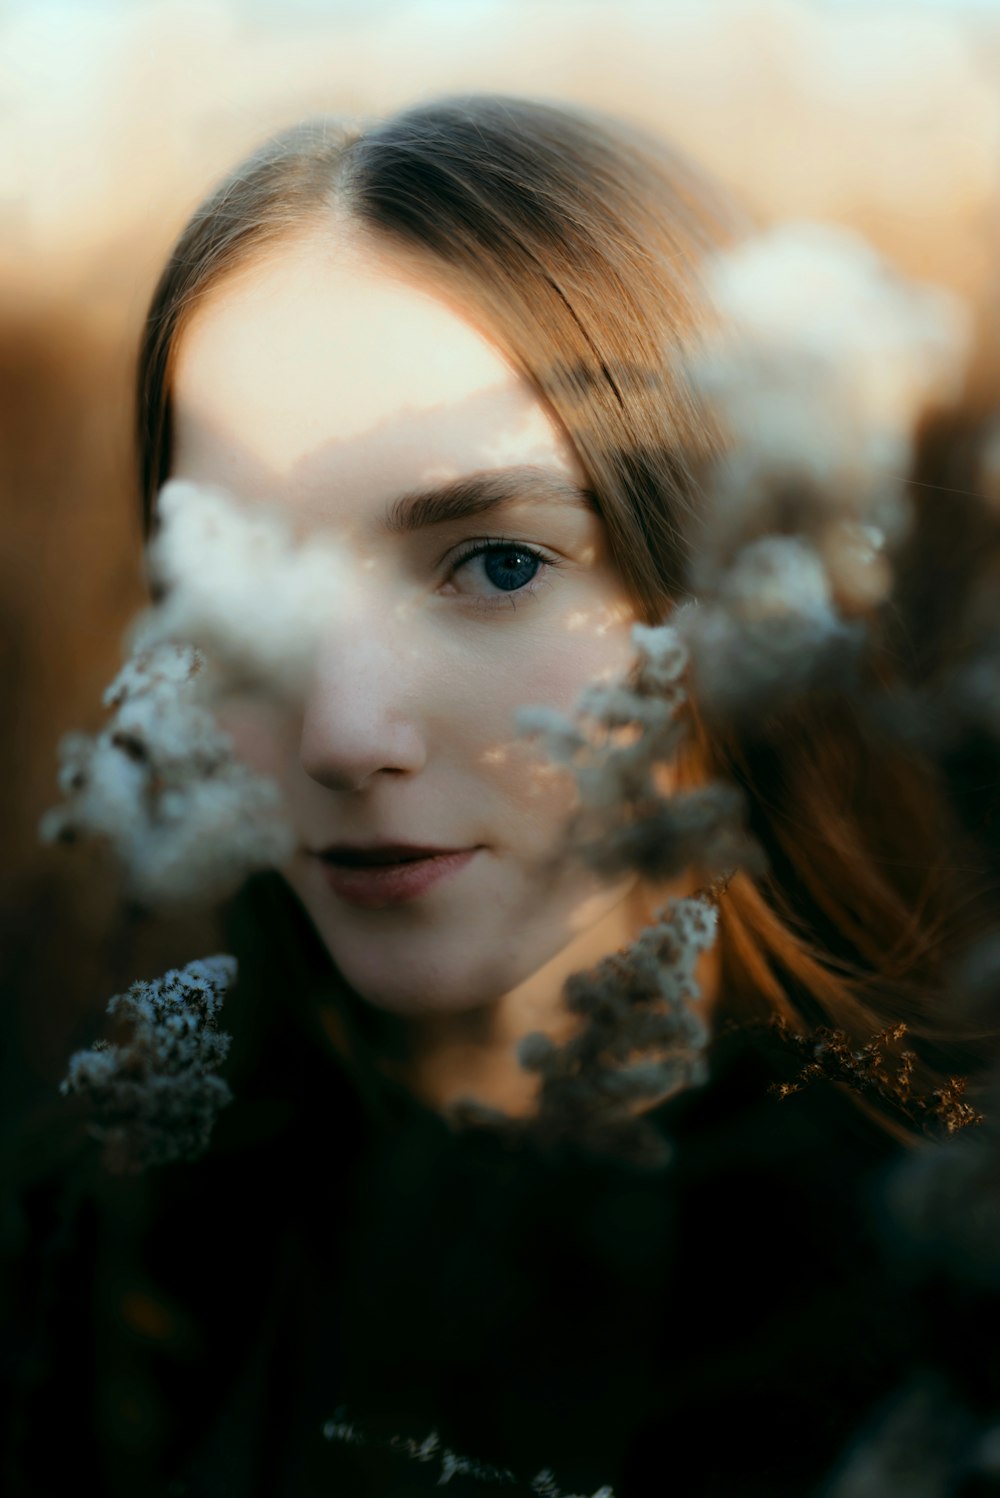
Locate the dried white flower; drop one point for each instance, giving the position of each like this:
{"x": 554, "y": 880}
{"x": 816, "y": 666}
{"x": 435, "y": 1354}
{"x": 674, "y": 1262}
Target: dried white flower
{"x": 621, "y": 736}
{"x": 661, "y": 662}
{"x": 240, "y": 586}
{"x": 818, "y": 364}
{"x": 355, "y": 1431}
{"x": 160, "y": 785}
{"x": 642, "y": 1042}
{"x": 823, "y": 361}
{"x": 154, "y": 1097}
{"x": 771, "y": 631}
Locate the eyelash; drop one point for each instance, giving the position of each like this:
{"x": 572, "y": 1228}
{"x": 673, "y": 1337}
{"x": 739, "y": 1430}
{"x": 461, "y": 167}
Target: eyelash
{"x": 483, "y": 547}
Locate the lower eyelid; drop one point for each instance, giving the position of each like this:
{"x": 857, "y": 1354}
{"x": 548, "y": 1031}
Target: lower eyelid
{"x": 488, "y": 603}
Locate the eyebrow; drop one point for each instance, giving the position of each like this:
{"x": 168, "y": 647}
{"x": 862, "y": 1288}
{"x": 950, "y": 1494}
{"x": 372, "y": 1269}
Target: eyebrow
{"x": 479, "y": 493}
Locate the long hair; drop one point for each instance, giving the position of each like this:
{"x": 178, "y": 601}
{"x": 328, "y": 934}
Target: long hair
{"x": 576, "y": 242}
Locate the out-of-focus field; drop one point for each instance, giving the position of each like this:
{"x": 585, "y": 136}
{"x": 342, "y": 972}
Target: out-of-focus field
{"x": 115, "y": 118}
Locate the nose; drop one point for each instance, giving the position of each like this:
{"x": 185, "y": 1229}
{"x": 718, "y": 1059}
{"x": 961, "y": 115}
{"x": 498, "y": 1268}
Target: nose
{"x": 363, "y": 713}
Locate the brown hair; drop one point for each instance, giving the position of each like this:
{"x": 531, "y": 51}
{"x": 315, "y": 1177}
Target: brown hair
{"x": 577, "y": 242}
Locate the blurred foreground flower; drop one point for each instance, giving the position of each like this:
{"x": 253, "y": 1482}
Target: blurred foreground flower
{"x": 154, "y": 1098}
{"x": 161, "y": 786}
{"x": 822, "y": 362}
{"x": 238, "y": 585}
{"x": 620, "y": 736}
{"x": 938, "y": 1214}
{"x": 771, "y": 632}
{"x": 922, "y": 1444}
{"x": 241, "y": 606}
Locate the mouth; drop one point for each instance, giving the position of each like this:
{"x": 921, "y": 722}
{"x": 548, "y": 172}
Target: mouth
{"x": 378, "y": 855}
{"x": 389, "y": 875}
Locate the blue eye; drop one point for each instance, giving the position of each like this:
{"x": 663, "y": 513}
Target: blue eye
{"x": 510, "y": 566}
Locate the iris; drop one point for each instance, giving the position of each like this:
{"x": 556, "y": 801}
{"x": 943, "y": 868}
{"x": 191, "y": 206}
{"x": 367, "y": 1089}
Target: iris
{"x": 508, "y": 567}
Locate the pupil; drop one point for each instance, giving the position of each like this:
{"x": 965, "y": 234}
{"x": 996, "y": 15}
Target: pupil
{"x": 510, "y": 569}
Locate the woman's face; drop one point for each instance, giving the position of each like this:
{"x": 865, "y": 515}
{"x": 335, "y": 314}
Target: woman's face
{"x": 330, "y": 380}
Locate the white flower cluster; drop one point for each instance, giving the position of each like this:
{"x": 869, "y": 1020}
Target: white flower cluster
{"x": 820, "y": 363}
{"x": 154, "y": 1098}
{"x": 160, "y": 785}
{"x": 771, "y": 630}
{"x": 237, "y": 584}
{"x": 622, "y": 734}
{"x": 643, "y": 1042}
{"x": 241, "y": 605}
{"x": 431, "y": 1449}
{"x": 823, "y": 361}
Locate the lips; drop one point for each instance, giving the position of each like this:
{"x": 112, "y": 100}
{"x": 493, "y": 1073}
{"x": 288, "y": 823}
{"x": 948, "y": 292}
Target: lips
{"x": 402, "y": 874}
{"x": 378, "y": 854}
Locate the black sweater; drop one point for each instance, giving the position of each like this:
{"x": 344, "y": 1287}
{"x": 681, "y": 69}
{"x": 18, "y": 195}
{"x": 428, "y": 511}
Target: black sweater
{"x": 334, "y": 1303}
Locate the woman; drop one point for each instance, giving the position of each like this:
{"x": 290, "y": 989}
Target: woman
{"x": 454, "y": 343}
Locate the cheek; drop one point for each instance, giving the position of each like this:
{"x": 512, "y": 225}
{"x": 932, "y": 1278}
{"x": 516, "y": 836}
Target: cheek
{"x": 536, "y": 794}
{"x": 263, "y": 735}
{"x": 582, "y": 646}
{"x": 550, "y": 672}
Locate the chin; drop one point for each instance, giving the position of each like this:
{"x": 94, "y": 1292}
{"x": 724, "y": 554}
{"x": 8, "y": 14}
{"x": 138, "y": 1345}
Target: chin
{"x": 444, "y": 990}
{"x": 416, "y": 983}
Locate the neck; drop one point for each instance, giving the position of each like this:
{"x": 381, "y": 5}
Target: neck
{"x": 473, "y": 1054}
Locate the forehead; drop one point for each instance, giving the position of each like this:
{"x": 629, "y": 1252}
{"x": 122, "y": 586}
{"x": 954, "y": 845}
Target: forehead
{"x": 330, "y": 362}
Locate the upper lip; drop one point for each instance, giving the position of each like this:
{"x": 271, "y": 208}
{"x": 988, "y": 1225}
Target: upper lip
{"x": 379, "y": 852}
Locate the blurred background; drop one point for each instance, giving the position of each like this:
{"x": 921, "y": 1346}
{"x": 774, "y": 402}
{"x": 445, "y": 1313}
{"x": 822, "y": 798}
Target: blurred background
{"x": 115, "y": 118}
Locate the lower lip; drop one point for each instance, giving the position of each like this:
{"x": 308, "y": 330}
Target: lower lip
{"x": 393, "y": 883}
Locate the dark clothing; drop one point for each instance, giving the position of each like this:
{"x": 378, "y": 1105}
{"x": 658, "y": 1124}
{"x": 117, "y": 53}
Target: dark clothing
{"x": 330, "y": 1303}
